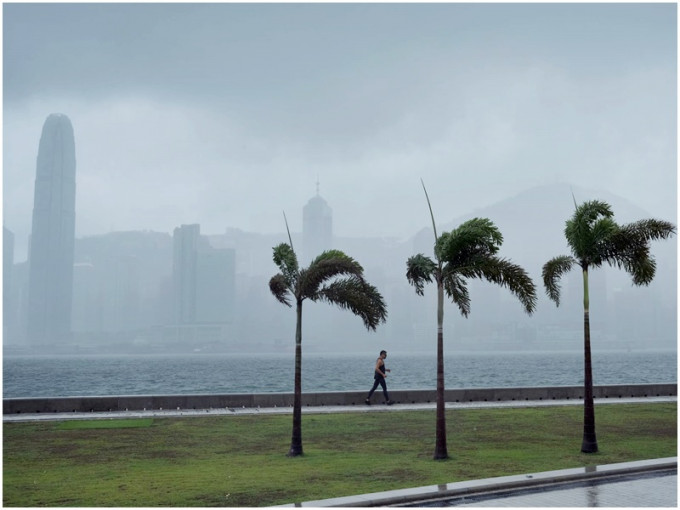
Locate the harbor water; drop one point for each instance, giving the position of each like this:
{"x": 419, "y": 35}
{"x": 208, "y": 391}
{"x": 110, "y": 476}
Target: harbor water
{"x": 94, "y": 375}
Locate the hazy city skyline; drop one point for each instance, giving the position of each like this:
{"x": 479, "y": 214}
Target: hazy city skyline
{"x": 124, "y": 293}
{"x": 225, "y": 115}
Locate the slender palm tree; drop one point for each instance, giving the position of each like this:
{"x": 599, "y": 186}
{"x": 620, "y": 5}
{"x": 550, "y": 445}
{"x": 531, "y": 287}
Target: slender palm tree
{"x": 468, "y": 251}
{"x": 332, "y": 277}
{"x": 595, "y": 239}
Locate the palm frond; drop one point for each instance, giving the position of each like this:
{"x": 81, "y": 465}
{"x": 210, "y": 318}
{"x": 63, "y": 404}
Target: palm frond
{"x": 589, "y": 211}
{"x": 501, "y": 272}
{"x": 642, "y": 271}
{"x": 629, "y": 248}
{"x": 602, "y": 231}
{"x": 648, "y": 230}
{"x": 552, "y": 272}
{"x": 632, "y": 254}
{"x": 334, "y": 255}
{"x": 358, "y": 296}
{"x": 328, "y": 265}
{"x": 419, "y": 270}
{"x": 455, "y": 287}
{"x": 278, "y": 287}
{"x": 475, "y": 237}
{"x": 286, "y": 260}
{"x": 579, "y": 228}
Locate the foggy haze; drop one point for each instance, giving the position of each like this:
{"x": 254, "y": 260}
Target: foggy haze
{"x": 226, "y": 115}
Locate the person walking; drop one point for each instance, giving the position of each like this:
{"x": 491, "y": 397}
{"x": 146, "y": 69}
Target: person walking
{"x": 379, "y": 375}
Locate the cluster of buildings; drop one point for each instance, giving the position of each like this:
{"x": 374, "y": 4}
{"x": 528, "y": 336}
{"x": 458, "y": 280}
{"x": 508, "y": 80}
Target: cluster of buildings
{"x": 132, "y": 290}
{"x": 185, "y": 291}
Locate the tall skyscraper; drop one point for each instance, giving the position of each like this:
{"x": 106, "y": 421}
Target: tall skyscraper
{"x": 203, "y": 279}
{"x": 185, "y": 247}
{"x": 8, "y": 296}
{"x": 317, "y": 227}
{"x": 53, "y": 235}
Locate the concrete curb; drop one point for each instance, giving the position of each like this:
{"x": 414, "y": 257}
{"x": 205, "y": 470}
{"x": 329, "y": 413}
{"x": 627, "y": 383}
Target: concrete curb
{"x": 86, "y": 404}
{"x": 433, "y": 493}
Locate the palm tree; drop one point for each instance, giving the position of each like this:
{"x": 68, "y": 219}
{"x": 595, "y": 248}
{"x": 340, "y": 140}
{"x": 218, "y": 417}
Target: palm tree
{"x": 332, "y": 277}
{"x": 596, "y": 239}
{"x": 468, "y": 251}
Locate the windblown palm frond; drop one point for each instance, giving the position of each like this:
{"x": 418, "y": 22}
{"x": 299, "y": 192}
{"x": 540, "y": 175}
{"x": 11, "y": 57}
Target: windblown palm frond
{"x": 587, "y": 213}
{"x": 641, "y": 270}
{"x": 419, "y": 270}
{"x": 286, "y": 260}
{"x": 278, "y": 287}
{"x": 358, "y": 296}
{"x": 648, "y": 230}
{"x": 629, "y": 248}
{"x": 503, "y": 273}
{"x": 585, "y": 231}
{"x": 552, "y": 272}
{"x": 595, "y": 239}
{"x": 328, "y": 265}
{"x": 455, "y": 287}
{"x": 478, "y": 236}
{"x": 469, "y": 251}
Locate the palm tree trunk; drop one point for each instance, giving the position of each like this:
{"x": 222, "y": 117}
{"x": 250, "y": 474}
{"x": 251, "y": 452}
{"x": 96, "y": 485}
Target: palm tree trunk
{"x": 589, "y": 444}
{"x": 296, "y": 441}
{"x": 440, "y": 451}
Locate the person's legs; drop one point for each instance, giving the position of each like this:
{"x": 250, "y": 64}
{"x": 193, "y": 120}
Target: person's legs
{"x": 375, "y": 385}
{"x": 384, "y": 388}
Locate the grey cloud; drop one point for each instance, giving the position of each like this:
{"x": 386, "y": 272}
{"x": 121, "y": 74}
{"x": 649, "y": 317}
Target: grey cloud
{"x": 242, "y": 106}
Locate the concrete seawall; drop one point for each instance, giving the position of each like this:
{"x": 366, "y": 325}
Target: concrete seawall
{"x": 254, "y": 400}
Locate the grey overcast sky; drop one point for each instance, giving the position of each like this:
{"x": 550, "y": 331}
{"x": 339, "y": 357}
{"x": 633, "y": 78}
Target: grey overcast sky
{"x": 227, "y": 114}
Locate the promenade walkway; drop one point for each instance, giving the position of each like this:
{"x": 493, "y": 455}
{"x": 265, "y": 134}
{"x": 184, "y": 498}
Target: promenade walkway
{"x": 377, "y": 407}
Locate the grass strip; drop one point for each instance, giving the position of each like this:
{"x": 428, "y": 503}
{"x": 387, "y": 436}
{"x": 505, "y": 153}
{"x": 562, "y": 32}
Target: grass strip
{"x": 105, "y": 424}
{"x": 240, "y": 460}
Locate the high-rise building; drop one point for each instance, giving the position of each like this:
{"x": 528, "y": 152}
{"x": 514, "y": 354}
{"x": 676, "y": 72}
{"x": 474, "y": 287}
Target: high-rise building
{"x": 185, "y": 246}
{"x": 317, "y": 227}
{"x": 8, "y": 297}
{"x": 203, "y": 279}
{"x": 53, "y": 235}
{"x": 215, "y": 285}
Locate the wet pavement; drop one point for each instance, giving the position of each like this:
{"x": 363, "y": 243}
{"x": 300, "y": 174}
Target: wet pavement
{"x": 648, "y": 483}
{"x": 653, "y": 490}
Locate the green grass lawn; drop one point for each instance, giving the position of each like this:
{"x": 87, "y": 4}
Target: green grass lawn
{"x": 241, "y": 460}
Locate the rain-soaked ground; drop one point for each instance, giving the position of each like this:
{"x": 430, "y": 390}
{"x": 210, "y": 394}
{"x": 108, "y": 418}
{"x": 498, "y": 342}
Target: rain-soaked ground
{"x": 649, "y": 483}
{"x": 656, "y": 489}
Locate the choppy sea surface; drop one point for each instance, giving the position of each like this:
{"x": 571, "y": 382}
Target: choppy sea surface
{"x": 92, "y": 375}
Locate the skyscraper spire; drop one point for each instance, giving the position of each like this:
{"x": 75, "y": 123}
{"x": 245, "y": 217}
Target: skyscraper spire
{"x": 317, "y": 227}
